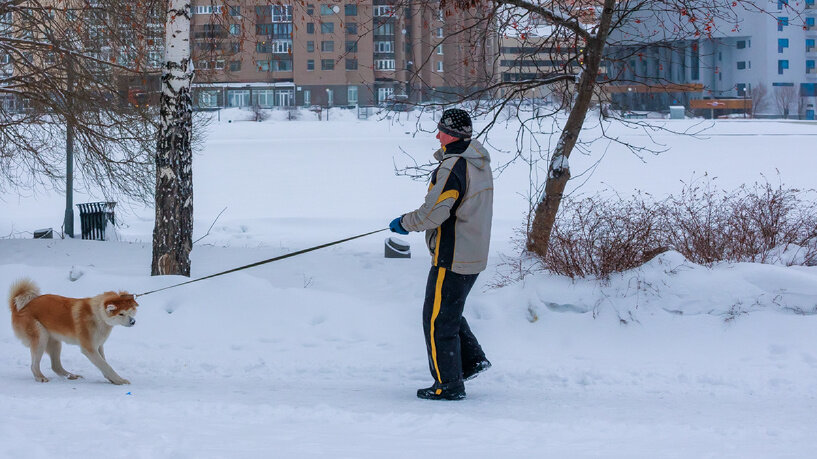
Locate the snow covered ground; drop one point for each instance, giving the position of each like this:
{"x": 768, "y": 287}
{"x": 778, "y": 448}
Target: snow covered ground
{"x": 320, "y": 355}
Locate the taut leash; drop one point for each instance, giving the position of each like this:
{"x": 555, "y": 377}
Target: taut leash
{"x": 281, "y": 257}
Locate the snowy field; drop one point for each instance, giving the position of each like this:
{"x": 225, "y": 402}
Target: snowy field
{"x": 321, "y": 355}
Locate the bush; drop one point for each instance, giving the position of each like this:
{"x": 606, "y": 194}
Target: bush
{"x": 595, "y": 236}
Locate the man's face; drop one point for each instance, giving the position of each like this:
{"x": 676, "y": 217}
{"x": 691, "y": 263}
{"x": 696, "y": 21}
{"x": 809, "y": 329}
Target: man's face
{"x": 445, "y": 139}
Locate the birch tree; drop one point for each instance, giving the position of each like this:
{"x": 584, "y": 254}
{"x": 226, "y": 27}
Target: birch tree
{"x": 173, "y": 230}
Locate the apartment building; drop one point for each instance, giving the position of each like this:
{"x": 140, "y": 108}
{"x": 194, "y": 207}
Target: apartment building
{"x": 775, "y": 48}
{"x": 530, "y": 57}
{"x": 334, "y": 53}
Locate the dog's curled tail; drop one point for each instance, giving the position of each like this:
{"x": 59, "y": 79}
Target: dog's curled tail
{"x": 21, "y": 293}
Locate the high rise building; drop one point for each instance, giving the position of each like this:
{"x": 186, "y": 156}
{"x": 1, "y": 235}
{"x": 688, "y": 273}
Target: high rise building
{"x": 334, "y": 53}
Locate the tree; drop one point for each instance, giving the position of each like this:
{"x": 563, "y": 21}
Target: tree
{"x": 590, "y": 53}
{"x": 65, "y": 73}
{"x": 173, "y": 230}
{"x": 785, "y": 97}
{"x": 759, "y": 94}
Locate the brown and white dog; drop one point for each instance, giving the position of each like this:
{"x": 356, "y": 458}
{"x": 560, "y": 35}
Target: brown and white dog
{"x": 42, "y": 322}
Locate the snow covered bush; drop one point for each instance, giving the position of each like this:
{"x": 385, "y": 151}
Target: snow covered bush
{"x": 762, "y": 223}
{"x": 595, "y": 236}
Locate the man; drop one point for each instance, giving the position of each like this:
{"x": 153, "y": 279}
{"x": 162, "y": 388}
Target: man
{"x": 456, "y": 217}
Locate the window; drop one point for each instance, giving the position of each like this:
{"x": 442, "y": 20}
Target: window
{"x": 208, "y": 9}
{"x": 307, "y": 96}
{"x": 310, "y": 27}
{"x": 782, "y": 43}
{"x": 327, "y": 27}
{"x": 235, "y": 29}
{"x": 741, "y": 89}
{"x": 282, "y": 65}
{"x": 235, "y": 66}
{"x": 350, "y": 10}
{"x": 275, "y": 30}
{"x": 383, "y": 94}
{"x": 262, "y": 66}
{"x": 203, "y": 65}
{"x": 782, "y": 22}
{"x": 310, "y": 64}
{"x": 326, "y": 10}
{"x": 235, "y": 47}
{"x": 264, "y": 98}
{"x": 220, "y": 64}
{"x": 351, "y": 28}
{"x": 439, "y": 66}
{"x": 235, "y": 11}
{"x": 383, "y": 10}
{"x": 208, "y": 99}
{"x": 384, "y": 64}
{"x": 384, "y": 46}
{"x": 439, "y": 32}
{"x": 327, "y": 64}
{"x": 277, "y": 13}
{"x": 810, "y": 68}
{"x": 741, "y": 44}
{"x": 384, "y": 29}
{"x": 782, "y": 65}
{"x": 238, "y": 98}
{"x": 742, "y": 65}
{"x": 782, "y": 3}
{"x": 351, "y": 46}
{"x": 310, "y": 9}
{"x": 310, "y": 46}
{"x": 695, "y": 58}
{"x": 439, "y": 50}
{"x": 809, "y": 23}
{"x": 282, "y": 47}
{"x": 440, "y": 15}
{"x": 327, "y": 46}
{"x": 330, "y": 97}
{"x": 351, "y": 95}
{"x": 351, "y": 64}
{"x": 810, "y": 45}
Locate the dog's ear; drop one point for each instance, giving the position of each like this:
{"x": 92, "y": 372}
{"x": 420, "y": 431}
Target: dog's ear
{"x": 110, "y": 307}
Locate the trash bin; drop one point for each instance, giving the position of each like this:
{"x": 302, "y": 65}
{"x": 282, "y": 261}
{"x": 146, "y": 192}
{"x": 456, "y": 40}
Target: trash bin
{"x": 94, "y": 218}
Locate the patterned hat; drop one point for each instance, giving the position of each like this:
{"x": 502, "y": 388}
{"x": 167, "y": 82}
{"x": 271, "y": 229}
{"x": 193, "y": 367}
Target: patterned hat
{"x": 456, "y": 123}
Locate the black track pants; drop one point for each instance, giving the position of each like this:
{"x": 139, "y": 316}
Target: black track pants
{"x": 449, "y": 341}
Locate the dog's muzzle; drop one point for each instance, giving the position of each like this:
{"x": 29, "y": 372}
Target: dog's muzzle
{"x": 131, "y": 322}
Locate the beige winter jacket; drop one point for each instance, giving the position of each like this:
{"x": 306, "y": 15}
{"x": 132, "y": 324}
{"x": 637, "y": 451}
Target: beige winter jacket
{"x": 458, "y": 208}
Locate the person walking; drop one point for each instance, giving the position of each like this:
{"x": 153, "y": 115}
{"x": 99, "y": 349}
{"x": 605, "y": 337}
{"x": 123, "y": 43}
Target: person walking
{"x": 456, "y": 217}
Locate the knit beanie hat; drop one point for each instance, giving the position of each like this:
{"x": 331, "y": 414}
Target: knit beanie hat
{"x": 456, "y": 123}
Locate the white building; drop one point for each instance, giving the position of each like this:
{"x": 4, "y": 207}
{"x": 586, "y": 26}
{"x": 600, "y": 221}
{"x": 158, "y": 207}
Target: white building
{"x": 776, "y": 48}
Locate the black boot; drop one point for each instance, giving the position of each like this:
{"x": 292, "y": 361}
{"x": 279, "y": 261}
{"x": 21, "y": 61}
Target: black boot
{"x": 470, "y": 372}
{"x": 448, "y": 391}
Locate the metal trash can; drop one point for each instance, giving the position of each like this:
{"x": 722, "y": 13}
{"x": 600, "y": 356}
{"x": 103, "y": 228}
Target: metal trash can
{"x": 397, "y": 248}
{"x": 94, "y": 218}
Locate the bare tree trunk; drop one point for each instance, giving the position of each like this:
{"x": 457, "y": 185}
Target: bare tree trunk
{"x": 559, "y": 169}
{"x": 173, "y": 230}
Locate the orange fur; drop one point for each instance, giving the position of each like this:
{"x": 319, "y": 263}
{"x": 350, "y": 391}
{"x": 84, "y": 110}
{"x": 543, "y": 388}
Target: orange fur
{"x": 43, "y": 322}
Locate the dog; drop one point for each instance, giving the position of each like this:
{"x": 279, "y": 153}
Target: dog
{"x": 43, "y": 322}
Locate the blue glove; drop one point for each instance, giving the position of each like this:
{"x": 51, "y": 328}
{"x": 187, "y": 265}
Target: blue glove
{"x": 396, "y": 227}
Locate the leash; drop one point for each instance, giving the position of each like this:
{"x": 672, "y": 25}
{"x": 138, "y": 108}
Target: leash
{"x": 259, "y": 263}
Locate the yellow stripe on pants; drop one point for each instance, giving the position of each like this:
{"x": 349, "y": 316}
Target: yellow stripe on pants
{"x": 438, "y": 297}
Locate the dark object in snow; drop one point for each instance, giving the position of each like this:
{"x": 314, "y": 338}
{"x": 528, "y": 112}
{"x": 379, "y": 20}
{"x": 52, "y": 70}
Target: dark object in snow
{"x": 470, "y": 372}
{"x": 397, "y": 248}
{"x": 75, "y": 274}
{"x": 94, "y": 218}
{"x": 450, "y": 391}
{"x": 46, "y": 233}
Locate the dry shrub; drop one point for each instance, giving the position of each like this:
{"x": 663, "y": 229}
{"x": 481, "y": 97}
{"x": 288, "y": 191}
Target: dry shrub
{"x": 597, "y": 236}
{"x": 751, "y": 224}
